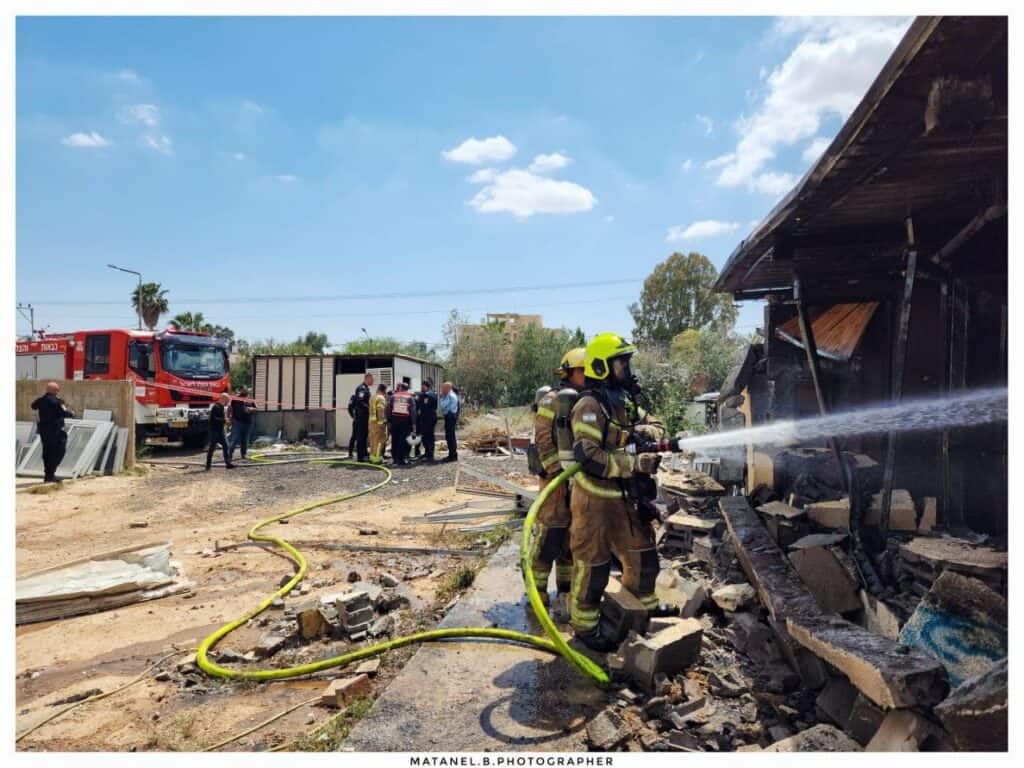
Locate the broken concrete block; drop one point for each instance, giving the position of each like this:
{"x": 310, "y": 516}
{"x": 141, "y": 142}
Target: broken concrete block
{"x": 976, "y": 713}
{"x": 659, "y": 623}
{"x": 935, "y": 554}
{"x": 820, "y": 738}
{"x": 357, "y": 618}
{"x": 686, "y": 594}
{"x": 695, "y": 526}
{"x": 890, "y": 675}
{"x": 622, "y": 611}
{"x": 606, "y": 731}
{"x": 962, "y": 623}
{"x": 368, "y": 667}
{"x": 834, "y": 589}
{"x": 373, "y": 591}
{"x": 902, "y": 513}
{"x": 340, "y": 693}
{"x": 667, "y": 652}
{"x": 385, "y": 625}
{"x": 830, "y": 514}
{"x": 349, "y": 602}
{"x": 726, "y": 684}
{"x": 268, "y": 645}
{"x": 781, "y": 509}
{"x": 880, "y": 617}
{"x": 734, "y": 597}
{"x": 389, "y": 580}
{"x": 904, "y": 730}
{"x": 705, "y": 547}
{"x": 929, "y": 515}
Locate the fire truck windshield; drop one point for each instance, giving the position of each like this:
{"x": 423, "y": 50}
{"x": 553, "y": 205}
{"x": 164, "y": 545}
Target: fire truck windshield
{"x": 193, "y": 361}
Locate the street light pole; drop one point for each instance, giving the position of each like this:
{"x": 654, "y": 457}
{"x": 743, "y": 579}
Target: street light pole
{"x": 138, "y": 294}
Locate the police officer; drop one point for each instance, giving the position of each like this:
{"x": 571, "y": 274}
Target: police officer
{"x": 218, "y": 420}
{"x": 550, "y": 541}
{"x": 361, "y": 417}
{"x": 426, "y": 418}
{"x": 402, "y": 418}
{"x": 54, "y": 439}
{"x": 607, "y": 426}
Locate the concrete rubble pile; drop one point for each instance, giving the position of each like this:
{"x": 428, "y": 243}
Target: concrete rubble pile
{"x": 779, "y": 647}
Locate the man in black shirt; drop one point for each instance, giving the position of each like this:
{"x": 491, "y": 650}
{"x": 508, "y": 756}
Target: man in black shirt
{"x": 361, "y": 417}
{"x": 241, "y": 423}
{"x": 52, "y": 413}
{"x": 426, "y": 418}
{"x": 218, "y": 417}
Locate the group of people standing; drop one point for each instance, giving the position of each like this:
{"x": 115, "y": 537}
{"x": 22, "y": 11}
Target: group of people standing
{"x": 240, "y": 418}
{"x": 408, "y": 419}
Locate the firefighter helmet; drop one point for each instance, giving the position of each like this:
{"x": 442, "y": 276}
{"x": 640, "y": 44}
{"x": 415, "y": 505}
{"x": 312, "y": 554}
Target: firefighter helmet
{"x": 601, "y": 350}
{"x": 574, "y": 358}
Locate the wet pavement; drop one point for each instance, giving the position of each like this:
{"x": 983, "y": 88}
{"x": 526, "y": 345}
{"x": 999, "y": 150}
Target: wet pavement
{"x": 483, "y": 695}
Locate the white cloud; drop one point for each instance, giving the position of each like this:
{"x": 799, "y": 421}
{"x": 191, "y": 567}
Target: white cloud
{"x": 707, "y": 123}
{"x": 687, "y": 165}
{"x": 825, "y": 75}
{"x": 90, "y": 140}
{"x": 483, "y": 176}
{"x": 128, "y": 76}
{"x": 814, "y": 150}
{"x": 473, "y": 151}
{"x": 285, "y": 178}
{"x": 706, "y": 228}
{"x": 157, "y": 142}
{"x": 718, "y": 162}
{"x": 524, "y": 194}
{"x": 546, "y": 163}
{"x": 147, "y": 115}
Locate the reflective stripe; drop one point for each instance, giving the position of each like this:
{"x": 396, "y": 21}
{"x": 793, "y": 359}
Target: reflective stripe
{"x": 587, "y": 485}
{"x": 650, "y": 601}
{"x": 547, "y": 413}
{"x": 581, "y": 428}
{"x": 579, "y": 618}
{"x": 549, "y": 461}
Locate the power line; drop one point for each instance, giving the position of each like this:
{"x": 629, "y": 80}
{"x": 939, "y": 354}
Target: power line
{"x": 370, "y": 296}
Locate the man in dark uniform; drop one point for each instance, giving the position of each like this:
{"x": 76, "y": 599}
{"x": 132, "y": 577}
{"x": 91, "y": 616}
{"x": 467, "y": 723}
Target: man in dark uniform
{"x": 426, "y": 418}
{"x": 361, "y": 417}
{"x": 401, "y": 417}
{"x": 52, "y": 413}
{"x": 218, "y": 418}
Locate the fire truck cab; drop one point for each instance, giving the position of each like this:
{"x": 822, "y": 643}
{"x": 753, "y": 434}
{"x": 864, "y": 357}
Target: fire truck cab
{"x": 177, "y": 374}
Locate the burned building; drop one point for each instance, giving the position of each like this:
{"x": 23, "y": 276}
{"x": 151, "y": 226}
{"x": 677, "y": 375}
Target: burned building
{"x": 884, "y": 273}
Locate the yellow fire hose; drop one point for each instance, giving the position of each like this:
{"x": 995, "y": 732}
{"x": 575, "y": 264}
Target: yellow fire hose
{"x": 553, "y": 643}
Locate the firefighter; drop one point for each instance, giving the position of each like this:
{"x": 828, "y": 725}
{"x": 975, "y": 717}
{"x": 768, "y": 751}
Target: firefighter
{"x": 402, "y": 418}
{"x": 607, "y": 521}
{"x": 54, "y": 439}
{"x": 361, "y": 417}
{"x": 426, "y": 418}
{"x": 378, "y": 424}
{"x": 550, "y": 540}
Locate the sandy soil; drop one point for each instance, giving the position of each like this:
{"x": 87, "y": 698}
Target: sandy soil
{"x": 197, "y": 511}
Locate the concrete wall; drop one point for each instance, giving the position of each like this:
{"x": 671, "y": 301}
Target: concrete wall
{"x": 118, "y": 397}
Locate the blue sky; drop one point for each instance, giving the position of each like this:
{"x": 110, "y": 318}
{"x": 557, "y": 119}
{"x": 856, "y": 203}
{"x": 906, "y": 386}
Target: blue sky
{"x": 248, "y": 163}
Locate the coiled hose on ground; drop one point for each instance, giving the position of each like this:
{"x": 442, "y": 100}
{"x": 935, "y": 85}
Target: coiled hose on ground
{"x": 553, "y": 643}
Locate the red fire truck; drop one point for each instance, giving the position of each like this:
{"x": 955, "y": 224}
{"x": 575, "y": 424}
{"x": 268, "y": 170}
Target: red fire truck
{"x": 177, "y": 374}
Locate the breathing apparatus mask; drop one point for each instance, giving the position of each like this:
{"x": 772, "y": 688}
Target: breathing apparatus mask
{"x": 622, "y": 374}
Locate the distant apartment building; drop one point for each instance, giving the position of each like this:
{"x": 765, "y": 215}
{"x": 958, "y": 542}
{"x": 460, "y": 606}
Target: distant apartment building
{"x": 512, "y": 322}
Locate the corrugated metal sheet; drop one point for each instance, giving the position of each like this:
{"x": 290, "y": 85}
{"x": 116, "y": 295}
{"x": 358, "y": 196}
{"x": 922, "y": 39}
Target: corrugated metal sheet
{"x": 837, "y": 330}
{"x": 273, "y": 383}
{"x": 259, "y": 383}
{"x": 299, "y": 397}
{"x": 313, "y": 400}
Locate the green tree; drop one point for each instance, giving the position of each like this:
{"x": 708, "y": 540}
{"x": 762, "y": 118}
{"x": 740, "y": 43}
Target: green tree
{"x": 189, "y": 321}
{"x": 677, "y": 296}
{"x": 223, "y": 332}
{"x": 153, "y": 299}
{"x": 389, "y": 345}
{"x": 536, "y": 353}
{"x": 312, "y": 343}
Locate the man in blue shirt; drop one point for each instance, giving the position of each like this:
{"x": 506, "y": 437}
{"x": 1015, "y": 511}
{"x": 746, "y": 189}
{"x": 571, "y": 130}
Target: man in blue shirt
{"x": 449, "y": 403}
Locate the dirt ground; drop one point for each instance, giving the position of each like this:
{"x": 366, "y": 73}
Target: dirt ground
{"x": 197, "y": 511}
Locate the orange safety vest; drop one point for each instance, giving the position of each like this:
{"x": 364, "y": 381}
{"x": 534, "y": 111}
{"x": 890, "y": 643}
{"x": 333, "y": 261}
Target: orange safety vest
{"x": 401, "y": 405}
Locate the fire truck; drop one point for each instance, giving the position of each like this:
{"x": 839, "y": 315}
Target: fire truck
{"x": 177, "y": 374}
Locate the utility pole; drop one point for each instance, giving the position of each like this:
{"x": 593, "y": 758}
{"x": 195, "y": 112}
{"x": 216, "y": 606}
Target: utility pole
{"x": 138, "y": 294}
{"x": 31, "y": 317}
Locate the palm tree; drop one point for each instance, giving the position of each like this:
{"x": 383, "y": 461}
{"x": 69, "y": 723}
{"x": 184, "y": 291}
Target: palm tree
{"x": 187, "y": 321}
{"x": 154, "y": 303}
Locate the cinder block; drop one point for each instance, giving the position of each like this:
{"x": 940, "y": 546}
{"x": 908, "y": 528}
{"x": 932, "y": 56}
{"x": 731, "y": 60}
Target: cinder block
{"x": 667, "y": 652}
{"x": 688, "y": 595}
{"x": 342, "y": 692}
{"x": 622, "y": 611}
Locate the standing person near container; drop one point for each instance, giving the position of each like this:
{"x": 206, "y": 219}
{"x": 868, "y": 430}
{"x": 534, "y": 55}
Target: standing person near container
{"x": 218, "y": 419}
{"x": 402, "y": 418}
{"x": 378, "y": 424}
{"x": 241, "y": 423}
{"x": 426, "y": 418}
{"x": 54, "y": 439}
{"x": 449, "y": 403}
{"x": 361, "y": 417}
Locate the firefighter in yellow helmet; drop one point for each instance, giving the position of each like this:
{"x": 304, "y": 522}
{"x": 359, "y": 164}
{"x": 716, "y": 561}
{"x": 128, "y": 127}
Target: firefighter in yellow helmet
{"x": 550, "y": 541}
{"x": 611, "y": 505}
{"x": 378, "y": 424}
